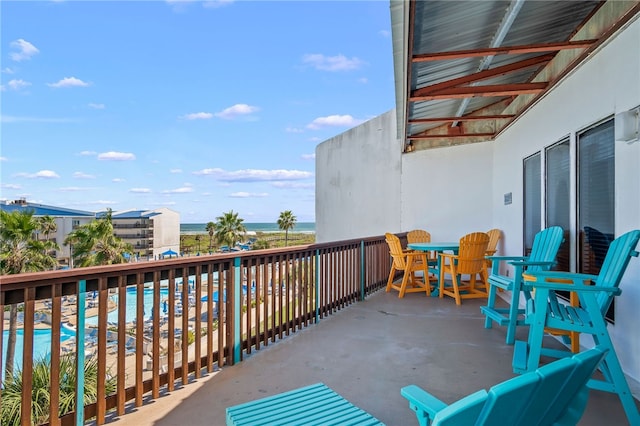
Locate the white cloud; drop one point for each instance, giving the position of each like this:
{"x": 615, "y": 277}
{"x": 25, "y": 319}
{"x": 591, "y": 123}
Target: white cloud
{"x": 254, "y": 175}
{"x": 4, "y": 159}
{"x": 25, "y": 50}
{"x": 17, "y": 84}
{"x": 175, "y": 171}
{"x": 385, "y": 33}
{"x": 8, "y": 70}
{"x": 42, "y": 174}
{"x": 116, "y": 156}
{"x": 363, "y": 80}
{"x": 248, "y": 195}
{"x": 96, "y": 106}
{"x": 215, "y": 4}
{"x": 308, "y": 156}
{"x": 117, "y": 180}
{"x": 72, "y": 189}
{"x": 332, "y": 63}
{"x": 197, "y": 116}
{"x": 69, "y": 82}
{"x": 333, "y": 121}
{"x": 87, "y": 153}
{"x": 104, "y": 202}
{"x": 10, "y": 186}
{"x": 237, "y": 110}
{"x": 81, "y": 175}
{"x": 315, "y": 139}
{"x": 140, "y": 190}
{"x": 293, "y": 185}
{"x": 181, "y": 190}
{"x": 293, "y": 130}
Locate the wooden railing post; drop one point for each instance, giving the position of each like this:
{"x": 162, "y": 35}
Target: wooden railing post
{"x": 237, "y": 299}
{"x": 362, "y": 267}
{"x": 317, "y": 307}
{"x": 80, "y": 309}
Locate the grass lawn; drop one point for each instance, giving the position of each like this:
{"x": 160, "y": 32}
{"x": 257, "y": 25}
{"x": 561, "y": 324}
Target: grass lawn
{"x": 189, "y": 244}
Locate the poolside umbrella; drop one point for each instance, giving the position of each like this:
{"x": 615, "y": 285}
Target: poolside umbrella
{"x": 169, "y": 253}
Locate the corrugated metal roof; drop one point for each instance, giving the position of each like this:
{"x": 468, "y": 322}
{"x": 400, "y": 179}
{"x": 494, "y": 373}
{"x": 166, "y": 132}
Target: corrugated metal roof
{"x": 44, "y": 210}
{"x": 430, "y": 86}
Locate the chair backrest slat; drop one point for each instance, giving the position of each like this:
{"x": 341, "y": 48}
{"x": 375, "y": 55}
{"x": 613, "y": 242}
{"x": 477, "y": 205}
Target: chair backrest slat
{"x": 545, "y": 247}
{"x": 395, "y": 249}
{"x": 494, "y": 237}
{"x": 615, "y": 263}
{"x": 418, "y": 236}
{"x": 471, "y": 253}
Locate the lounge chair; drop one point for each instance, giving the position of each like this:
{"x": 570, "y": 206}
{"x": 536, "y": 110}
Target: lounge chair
{"x": 596, "y": 294}
{"x": 555, "y": 394}
{"x": 542, "y": 257}
{"x": 310, "y": 405}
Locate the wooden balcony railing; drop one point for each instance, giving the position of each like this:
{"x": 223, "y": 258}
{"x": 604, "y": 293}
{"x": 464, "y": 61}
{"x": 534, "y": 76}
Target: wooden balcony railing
{"x": 152, "y": 326}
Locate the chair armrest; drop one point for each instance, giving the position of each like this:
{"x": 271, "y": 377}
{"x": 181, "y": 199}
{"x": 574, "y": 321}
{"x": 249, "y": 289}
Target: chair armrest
{"x": 448, "y": 256}
{"x": 422, "y": 400}
{"x": 415, "y": 254}
{"x": 500, "y": 258}
{"x": 559, "y": 280}
{"x": 531, "y": 263}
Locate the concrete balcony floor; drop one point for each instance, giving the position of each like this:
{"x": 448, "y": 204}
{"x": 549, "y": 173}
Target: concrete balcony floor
{"x": 366, "y": 352}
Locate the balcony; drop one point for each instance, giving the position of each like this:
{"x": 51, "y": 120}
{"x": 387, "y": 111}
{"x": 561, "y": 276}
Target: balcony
{"x": 290, "y": 318}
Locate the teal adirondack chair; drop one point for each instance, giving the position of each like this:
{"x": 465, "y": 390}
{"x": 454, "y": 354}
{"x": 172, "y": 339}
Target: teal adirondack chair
{"x": 545, "y": 248}
{"x": 555, "y": 394}
{"x": 596, "y": 294}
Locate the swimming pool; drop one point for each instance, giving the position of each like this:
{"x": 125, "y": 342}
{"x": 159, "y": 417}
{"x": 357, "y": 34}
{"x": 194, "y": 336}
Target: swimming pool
{"x": 132, "y": 299}
{"x": 41, "y": 344}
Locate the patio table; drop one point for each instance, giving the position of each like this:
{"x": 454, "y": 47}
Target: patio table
{"x": 438, "y": 248}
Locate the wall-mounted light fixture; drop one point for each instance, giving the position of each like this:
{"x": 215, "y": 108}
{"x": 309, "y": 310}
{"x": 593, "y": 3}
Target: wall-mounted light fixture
{"x": 409, "y": 147}
{"x": 627, "y": 125}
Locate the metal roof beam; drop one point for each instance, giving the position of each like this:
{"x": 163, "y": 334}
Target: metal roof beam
{"x": 463, "y": 118}
{"x": 484, "y": 91}
{"x": 447, "y": 136}
{"x": 482, "y": 75}
{"x": 506, "y": 50}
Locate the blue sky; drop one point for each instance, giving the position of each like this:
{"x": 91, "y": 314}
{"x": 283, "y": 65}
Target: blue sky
{"x": 200, "y": 107}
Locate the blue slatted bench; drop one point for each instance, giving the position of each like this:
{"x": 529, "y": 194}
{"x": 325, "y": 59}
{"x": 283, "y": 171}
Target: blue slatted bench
{"x": 310, "y": 405}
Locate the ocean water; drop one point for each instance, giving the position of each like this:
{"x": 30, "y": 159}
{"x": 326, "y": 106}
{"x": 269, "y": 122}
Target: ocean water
{"x": 195, "y": 228}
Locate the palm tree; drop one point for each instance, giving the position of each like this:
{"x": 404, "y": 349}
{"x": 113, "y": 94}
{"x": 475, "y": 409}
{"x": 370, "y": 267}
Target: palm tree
{"x": 41, "y": 383}
{"x": 211, "y": 229}
{"x": 47, "y": 225}
{"x": 20, "y": 251}
{"x": 95, "y": 244}
{"x": 229, "y": 229}
{"x": 286, "y": 221}
{"x": 198, "y": 238}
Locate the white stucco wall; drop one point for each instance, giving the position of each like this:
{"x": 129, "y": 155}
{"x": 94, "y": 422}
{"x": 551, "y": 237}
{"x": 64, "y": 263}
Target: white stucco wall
{"x": 446, "y": 191}
{"x": 166, "y": 231}
{"x": 357, "y": 185}
{"x": 607, "y": 84}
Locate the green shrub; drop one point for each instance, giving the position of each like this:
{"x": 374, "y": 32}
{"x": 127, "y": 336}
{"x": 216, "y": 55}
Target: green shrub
{"x": 41, "y": 383}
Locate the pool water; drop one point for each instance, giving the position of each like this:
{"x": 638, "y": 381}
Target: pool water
{"x": 41, "y": 344}
{"x": 131, "y": 309}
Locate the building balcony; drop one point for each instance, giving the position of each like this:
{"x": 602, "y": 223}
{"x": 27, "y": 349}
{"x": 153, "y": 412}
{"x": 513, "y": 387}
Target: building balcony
{"x": 286, "y": 318}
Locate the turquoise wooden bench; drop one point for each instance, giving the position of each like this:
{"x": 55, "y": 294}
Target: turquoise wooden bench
{"x": 311, "y": 405}
{"x": 555, "y": 394}
{"x": 543, "y": 254}
{"x": 596, "y": 293}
